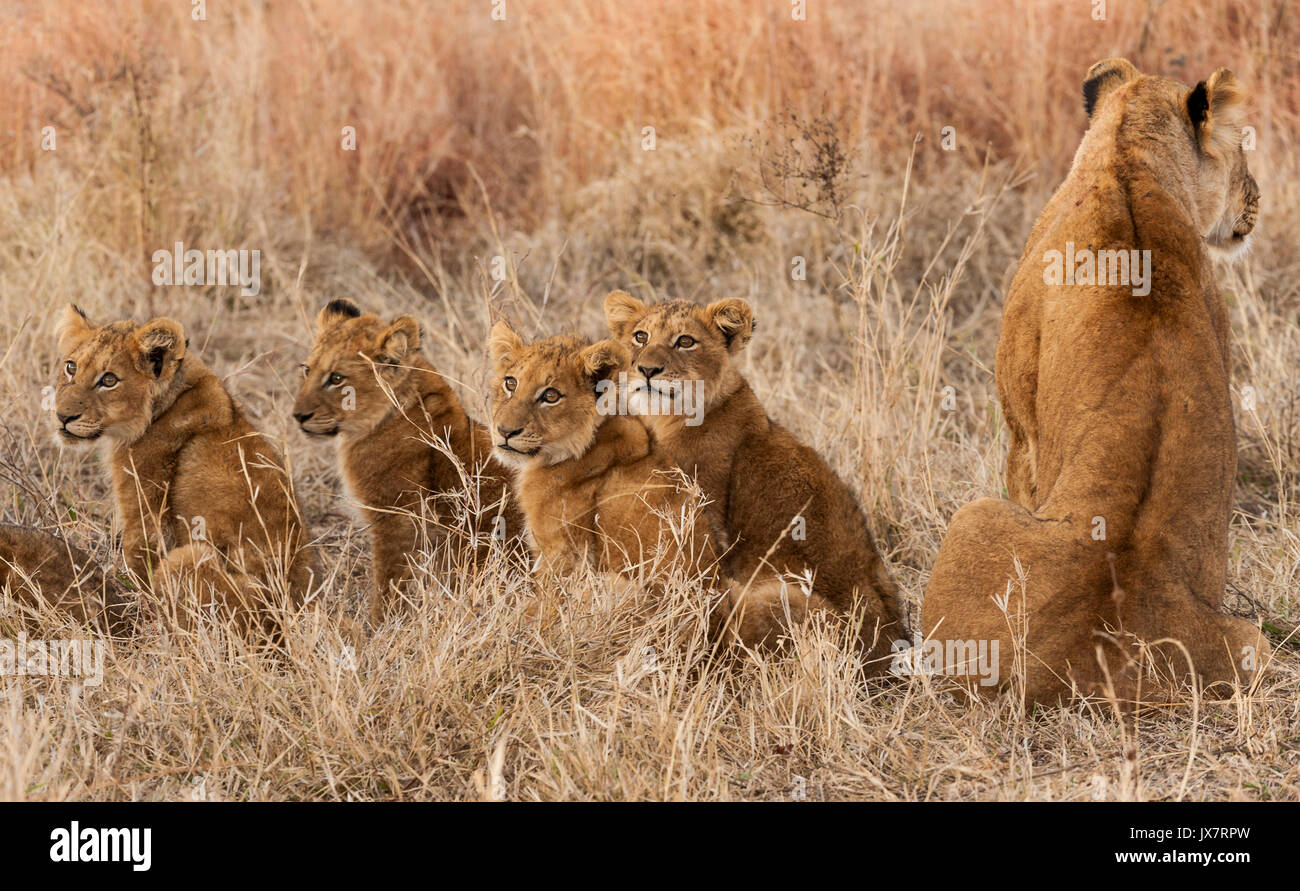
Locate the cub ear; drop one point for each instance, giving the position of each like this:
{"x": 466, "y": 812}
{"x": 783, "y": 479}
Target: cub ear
{"x": 397, "y": 341}
{"x": 73, "y": 328}
{"x": 735, "y": 319}
{"x": 502, "y": 342}
{"x": 1214, "y": 108}
{"x": 161, "y": 343}
{"x": 622, "y": 311}
{"x": 603, "y": 359}
{"x": 1103, "y": 78}
{"x": 337, "y": 311}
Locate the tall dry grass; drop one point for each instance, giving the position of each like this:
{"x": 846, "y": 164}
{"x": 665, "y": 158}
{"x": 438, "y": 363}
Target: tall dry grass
{"x": 523, "y": 139}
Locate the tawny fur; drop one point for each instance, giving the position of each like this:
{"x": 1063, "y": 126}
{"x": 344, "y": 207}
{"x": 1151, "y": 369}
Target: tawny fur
{"x": 595, "y": 487}
{"x": 367, "y": 383}
{"x": 187, "y": 466}
{"x": 39, "y": 569}
{"x": 1119, "y": 408}
{"x": 758, "y": 477}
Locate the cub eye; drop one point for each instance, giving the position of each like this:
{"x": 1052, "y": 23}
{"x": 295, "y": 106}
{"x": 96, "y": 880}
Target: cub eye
{"x": 640, "y": 336}
{"x": 71, "y": 369}
{"x": 335, "y": 379}
{"x": 685, "y": 342}
{"x": 551, "y": 396}
{"x": 510, "y": 384}
{"x": 107, "y": 381}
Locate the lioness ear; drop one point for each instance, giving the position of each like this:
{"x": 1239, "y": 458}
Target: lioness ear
{"x": 397, "y": 341}
{"x": 73, "y": 328}
{"x": 337, "y": 311}
{"x": 1213, "y": 106}
{"x": 622, "y": 311}
{"x": 603, "y": 360}
{"x": 502, "y": 342}
{"x": 160, "y": 342}
{"x": 1102, "y": 79}
{"x": 735, "y": 319}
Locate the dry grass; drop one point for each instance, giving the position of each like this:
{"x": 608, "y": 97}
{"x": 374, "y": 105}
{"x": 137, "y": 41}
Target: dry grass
{"x": 522, "y": 139}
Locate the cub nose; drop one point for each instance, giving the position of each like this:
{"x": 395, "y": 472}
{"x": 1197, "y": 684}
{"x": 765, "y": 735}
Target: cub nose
{"x": 506, "y": 434}
{"x": 648, "y": 372}
{"x": 302, "y": 418}
{"x": 65, "y": 420}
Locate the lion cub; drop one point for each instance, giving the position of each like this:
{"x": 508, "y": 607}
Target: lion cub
{"x": 366, "y": 382}
{"x": 37, "y": 567}
{"x": 593, "y": 485}
{"x": 781, "y": 506}
{"x": 188, "y": 468}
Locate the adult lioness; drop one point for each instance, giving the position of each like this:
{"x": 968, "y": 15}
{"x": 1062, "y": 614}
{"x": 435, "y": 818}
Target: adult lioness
{"x": 367, "y": 383}
{"x": 1115, "y": 390}
{"x": 593, "y": 484}
{"x": 779, "y": 504}
{"x": 37, "y": 568}
{"x": 188, "y": 468}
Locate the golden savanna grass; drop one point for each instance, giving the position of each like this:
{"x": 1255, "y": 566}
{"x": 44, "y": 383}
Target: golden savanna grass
{"x": 523, "y": 140}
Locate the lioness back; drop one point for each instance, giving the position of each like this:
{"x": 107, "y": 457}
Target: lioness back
{"x": 188, "y": 467}
{"x": 1112, "y": 373}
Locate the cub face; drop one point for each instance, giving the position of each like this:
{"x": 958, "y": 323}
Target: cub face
{"x": 1204, "y": 125}
{"x": 678, "y": 344}
{"x": 355, "y": 362}
{"x": 110, "y": 377}
{"x": 544, "y": 395}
